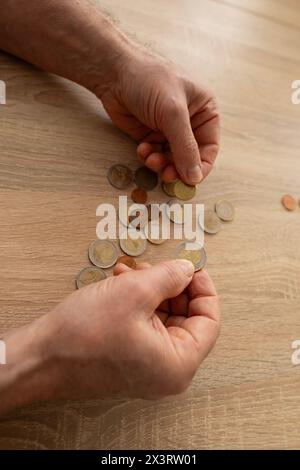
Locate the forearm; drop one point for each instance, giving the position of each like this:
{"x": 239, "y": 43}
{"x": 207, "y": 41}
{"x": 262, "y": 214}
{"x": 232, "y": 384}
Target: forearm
{"x": 29, "y": 374}
{"x": 70, "y": 38}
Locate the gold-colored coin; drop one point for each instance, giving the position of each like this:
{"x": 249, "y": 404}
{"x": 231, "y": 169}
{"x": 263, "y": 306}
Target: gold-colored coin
{"x": 103, "y": 253}
{"x": 131, "y": 245}
{"x": 175, "y": 211}
{"x": 225, "y": 210}
{"x": 89, "y": 275}
{"x": 193, "y": 252}
{"x": 184, "y": 191}
{"x": 154, "y": 233}
{"x": 212, "y": 223}
{"x": 168, "y": 188}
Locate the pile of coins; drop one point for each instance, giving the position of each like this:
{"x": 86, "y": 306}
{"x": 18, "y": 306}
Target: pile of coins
{"x": 104, "y": 254}
{"x": 289, "y": 202}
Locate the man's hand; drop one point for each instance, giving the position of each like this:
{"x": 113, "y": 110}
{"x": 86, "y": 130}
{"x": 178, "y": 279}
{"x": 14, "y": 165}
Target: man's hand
{"x": 138, "y": 334}
{"x": 176, "y": 120}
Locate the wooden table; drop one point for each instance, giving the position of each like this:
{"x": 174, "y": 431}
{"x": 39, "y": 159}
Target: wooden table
{"x": 56, "y": 146}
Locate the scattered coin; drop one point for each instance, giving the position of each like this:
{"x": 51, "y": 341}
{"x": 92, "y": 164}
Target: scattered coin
{"x": 120, "y": 176}
{"x": 138, "y": 219}
{"x": 288, "y": 202}
{"x": 89, "y": 275}
{"x": 153, "y": 212}
{"x": 154, "y": 234}
{"x": 175, "y": 210}
{"x": 103, "y": 253}
{"x": 193, "y": 252}
{"x": 212, "y": 223}
{"x": 224, "y": 210}
{"x": 145, "y": 178}
{"x": 128, "y": 260}
{"x": 131, "y": 245}
{"x": 184, "y": 191}
{"x": 139, "y": 196}
{"x": 168, "y": 188}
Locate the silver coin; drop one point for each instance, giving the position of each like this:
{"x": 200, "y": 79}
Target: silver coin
{"x": 193, "y": 252}
{"x": 103, "y": 253}
{"x": 89, "y": 275}
{"x": 132, "y": 245}
{"x": 225, "y": 210}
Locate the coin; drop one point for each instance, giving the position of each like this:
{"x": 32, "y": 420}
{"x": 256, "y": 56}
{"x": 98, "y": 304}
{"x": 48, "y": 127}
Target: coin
{"x": 175, "y": 211}
{"x": 153, "y": 233}
{"x": 133, "y": 246}
{"x": 212, "y": 223}
{"x": 224, "y": 210}
{"x": 138, "y": 218}
{"x": 128, "y": 260}
{"x": 103, "y": 253}
{"x": 145, "y": 178}
{"x": 184, "y": 191}
{"x": 288, "y": 202}
{"x": 89, "y": 275}
{"x": 168, "y": 188}
{"x": 139, "y": 196}
{"x": 154, "y": 212}
{"x": 193, "y": 252}
{"x": 120, "y": 176}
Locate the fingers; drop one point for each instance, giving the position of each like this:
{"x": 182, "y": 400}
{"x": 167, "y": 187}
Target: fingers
{"x": 164, "y": 280}
{"x": 199, "y": 332}
{"x": 178, "y": 131}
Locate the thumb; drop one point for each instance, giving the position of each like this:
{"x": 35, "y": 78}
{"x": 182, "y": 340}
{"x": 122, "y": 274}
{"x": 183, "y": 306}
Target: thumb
{"x": 165, "y": 280}
{"x": 184, "y": 147}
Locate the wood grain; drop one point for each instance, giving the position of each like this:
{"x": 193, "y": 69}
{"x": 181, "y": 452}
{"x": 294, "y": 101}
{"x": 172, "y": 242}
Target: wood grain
{"x": 56, "y": 146}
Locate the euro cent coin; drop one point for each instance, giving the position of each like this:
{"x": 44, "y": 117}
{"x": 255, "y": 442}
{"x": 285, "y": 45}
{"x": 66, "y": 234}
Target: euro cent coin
{"x": 128, "y": 260}
{"x": 212, "y": 223}
{"x": 193, "y": 252}
{"x": 133, "y": 245}
{"x": 89, "y": 275}
{"x": 225, "y": 210}
{"x": 139, "y": 196}
{"x": 145, "y": 178}
{"x": 154, "y": 232}
{"x": 175, "y": 211}
{"x": 184, "y": 191}
{"x": 288, "y": 202}
{"x": 103, "y": 253}
{"x": 168, "y": 188}
{"x": 120, "y": 176}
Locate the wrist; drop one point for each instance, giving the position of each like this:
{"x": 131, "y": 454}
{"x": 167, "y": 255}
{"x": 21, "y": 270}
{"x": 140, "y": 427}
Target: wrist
{"x": 30, "y": 374}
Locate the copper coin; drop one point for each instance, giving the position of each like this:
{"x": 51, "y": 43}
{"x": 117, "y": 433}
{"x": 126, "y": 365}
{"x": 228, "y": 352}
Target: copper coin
{"x": 288, "y": 202}
{"x": 139, "y": 196}
{"x": 120, "y": 176}
{"x": 128, "y": 260}
{"x": 145, "y": 178}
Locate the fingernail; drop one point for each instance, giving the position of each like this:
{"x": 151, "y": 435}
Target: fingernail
{"x": 186, "y": 266}
{"x": 194, "y": 174}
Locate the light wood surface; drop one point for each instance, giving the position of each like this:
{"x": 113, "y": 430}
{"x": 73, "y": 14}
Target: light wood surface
{"x": 56, "y": 146}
